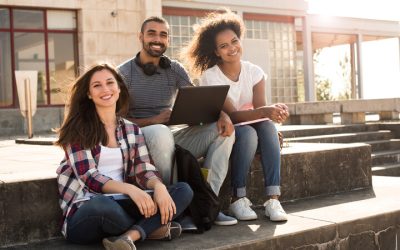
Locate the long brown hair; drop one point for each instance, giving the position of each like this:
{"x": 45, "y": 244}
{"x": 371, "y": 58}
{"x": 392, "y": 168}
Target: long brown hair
{"x": 199, "y": 54}
{"x": 82, "y": 124}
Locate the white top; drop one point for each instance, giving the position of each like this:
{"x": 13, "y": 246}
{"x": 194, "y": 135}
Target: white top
{"x": 240, "y": 92}
{"x": 110, "y": 164}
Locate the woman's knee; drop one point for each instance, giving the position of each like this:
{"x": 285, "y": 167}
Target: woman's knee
{"x": 246, "y": 134}
{"x": 102, "y": 205}
{"x": 268, "y": 126}
{"x": 185, "y": 192}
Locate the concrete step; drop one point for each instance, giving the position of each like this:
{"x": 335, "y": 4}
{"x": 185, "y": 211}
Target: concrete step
{"x": 29, "y": 208}
{"x": 344, "y": 137}
{"x": 28, "y": 183}
{"x": 392, "y": 126}
{"x": 387, "y": 170}
{"x": 301, "y": 168}
{"x": 364, "y": 219}
{"x": 381, "y": 145}
{"x": 385, "y": 157}
{"x": 290, "y": 131}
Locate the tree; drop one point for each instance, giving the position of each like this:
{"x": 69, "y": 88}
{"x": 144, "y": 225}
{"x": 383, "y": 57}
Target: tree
{"x": 324, "y": 90}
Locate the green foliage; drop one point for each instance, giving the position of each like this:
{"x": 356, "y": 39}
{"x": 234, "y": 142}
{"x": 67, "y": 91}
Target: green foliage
{"x": 324, "y": 83}
{"x": 324, "y": 90}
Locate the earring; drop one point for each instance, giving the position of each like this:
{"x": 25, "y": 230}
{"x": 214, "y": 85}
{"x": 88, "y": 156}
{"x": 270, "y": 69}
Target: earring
{"x": 89, "y": 97}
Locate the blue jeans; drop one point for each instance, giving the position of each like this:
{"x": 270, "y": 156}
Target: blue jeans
{"x": 102, "y": 216}
{"x": 264, "y": 137}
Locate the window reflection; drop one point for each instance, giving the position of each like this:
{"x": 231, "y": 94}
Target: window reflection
{"x": 28, "y": 19}
{"x": 30, "y": 55}
{"x": 61, "y": 65}
{"x": 61, "y": 20}
{"x": 6, "y": 92}
{"x": 4, "y": 18}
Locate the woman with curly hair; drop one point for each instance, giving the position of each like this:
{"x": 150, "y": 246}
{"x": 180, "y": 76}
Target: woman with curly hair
{"x": 106, "y": 154}
{"x": 215, "y": 52}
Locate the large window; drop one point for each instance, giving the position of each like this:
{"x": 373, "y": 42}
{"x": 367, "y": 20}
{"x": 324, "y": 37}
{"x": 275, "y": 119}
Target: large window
{"x": 275, "y": 34}
{"x": 279, "y": 38}
{"x": 181, "y": 28}
{"x": 39, "y": 40}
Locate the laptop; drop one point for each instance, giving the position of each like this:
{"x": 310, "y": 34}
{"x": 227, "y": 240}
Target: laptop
{"x": 198, "y": 105}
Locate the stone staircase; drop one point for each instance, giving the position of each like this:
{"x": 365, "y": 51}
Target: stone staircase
{"x": 385, "y": 143}
{"x": 326, "y": 189}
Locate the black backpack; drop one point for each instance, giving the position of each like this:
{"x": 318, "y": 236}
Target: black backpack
{"x": 205, "y": 205}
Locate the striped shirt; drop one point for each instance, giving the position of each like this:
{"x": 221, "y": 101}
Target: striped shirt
{"x": 149, "y": 95}
{"x": 78, "y": 174}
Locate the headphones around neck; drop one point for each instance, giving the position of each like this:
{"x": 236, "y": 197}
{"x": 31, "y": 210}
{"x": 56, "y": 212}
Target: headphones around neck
{"x": 151, "y": 69}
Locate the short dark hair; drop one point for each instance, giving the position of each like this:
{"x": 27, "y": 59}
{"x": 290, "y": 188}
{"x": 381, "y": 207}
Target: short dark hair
{"x": 156, "y": 19}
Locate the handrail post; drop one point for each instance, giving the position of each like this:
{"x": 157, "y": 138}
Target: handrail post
{"x": 28, "y": 105}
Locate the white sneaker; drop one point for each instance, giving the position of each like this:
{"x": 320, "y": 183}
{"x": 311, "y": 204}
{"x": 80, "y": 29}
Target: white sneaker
{"x": 241, "y": 209}
{"x": 274, "y": 210}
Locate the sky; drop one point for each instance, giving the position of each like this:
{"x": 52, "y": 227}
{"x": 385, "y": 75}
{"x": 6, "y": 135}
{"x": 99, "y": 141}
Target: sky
{"x": 373, "y": 9}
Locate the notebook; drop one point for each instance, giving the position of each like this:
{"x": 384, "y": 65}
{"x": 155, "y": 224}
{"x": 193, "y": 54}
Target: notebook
{"x": 198, "y": 105}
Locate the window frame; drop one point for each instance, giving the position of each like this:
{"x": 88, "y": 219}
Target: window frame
{"x": 45, "y": 31}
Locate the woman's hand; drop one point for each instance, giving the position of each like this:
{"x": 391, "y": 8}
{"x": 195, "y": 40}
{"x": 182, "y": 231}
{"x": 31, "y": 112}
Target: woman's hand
{"x": 164, "y": 202}
{"x": 277, "y": 112}
{"x": 143, "y": 201}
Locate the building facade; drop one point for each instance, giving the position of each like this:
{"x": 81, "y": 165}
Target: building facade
{"x": 59, "y": 38}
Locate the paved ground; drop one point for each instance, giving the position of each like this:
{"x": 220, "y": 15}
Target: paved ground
{"x": 19, "y": 162}
{"x": 22, "y": 162}
{"x": 323, "y": 215}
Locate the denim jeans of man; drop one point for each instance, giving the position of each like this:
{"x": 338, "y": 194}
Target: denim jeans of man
{"x": 102, "y": 216}
{"x": 261, "y": 137}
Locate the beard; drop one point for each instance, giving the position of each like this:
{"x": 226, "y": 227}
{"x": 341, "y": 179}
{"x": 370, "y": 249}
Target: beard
{"x": 154, "y": 53}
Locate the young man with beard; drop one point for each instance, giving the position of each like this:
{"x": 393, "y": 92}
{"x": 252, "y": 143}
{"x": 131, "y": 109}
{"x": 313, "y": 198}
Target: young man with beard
{"x": 153, "y": 80}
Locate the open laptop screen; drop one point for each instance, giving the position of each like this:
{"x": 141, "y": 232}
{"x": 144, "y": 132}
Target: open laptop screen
{"x": 198, "y": 105}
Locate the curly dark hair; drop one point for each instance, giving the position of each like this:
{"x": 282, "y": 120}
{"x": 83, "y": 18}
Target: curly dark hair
{"x": 199, "y": 54}
{"x": 82, "y": 124}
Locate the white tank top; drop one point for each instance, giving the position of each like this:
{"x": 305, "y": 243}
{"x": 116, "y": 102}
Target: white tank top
{"x": 110, "y": 164}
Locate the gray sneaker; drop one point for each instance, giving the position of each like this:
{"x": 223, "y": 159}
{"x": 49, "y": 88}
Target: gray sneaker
{"x": 122, "y": 242}
{"x": 225, "y": 220}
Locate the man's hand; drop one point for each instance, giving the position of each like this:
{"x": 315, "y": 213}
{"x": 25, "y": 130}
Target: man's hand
{"x": 224, "y": 124}
{"x": 163, "y": 117}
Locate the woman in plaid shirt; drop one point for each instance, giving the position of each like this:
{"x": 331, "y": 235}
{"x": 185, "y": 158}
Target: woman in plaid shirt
{"x": 105, "y": 154}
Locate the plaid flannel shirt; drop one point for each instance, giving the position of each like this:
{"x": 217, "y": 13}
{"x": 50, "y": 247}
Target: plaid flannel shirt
{"x": 78, "y": 174}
